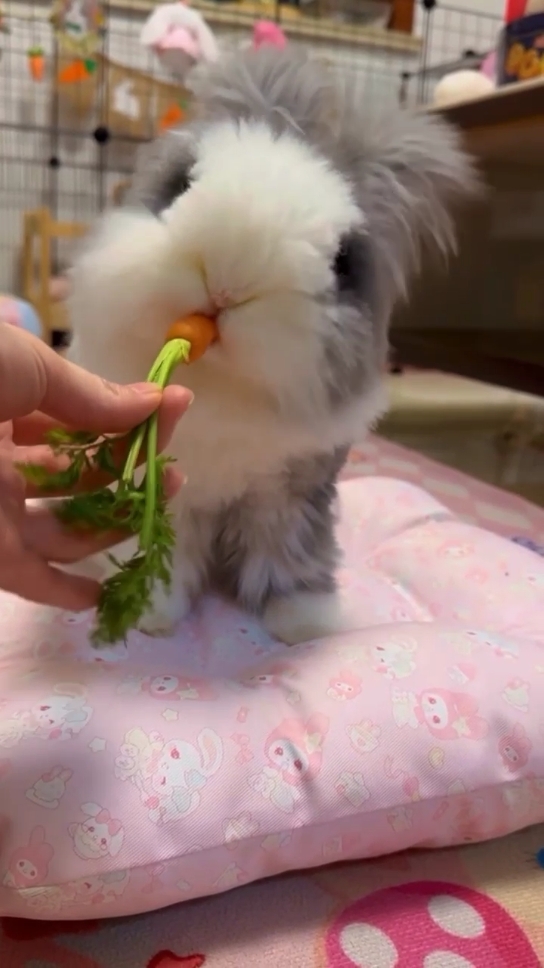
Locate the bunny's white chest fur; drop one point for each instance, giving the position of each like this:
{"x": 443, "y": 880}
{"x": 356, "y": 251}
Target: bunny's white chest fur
{"x": 228, "y": 442}
{"x": 232, "y": 439}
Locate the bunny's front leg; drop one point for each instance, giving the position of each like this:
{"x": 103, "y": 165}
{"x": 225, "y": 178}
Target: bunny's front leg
{"x": 279, "y": 555}
{"x": 171, "y": 605}
{"x": 305, "y": 615}
{"x": 168, "y": 606}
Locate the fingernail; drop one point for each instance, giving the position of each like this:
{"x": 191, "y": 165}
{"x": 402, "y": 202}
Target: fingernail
{"x": 191, "y": 400}
{"x": 146, "y": 389}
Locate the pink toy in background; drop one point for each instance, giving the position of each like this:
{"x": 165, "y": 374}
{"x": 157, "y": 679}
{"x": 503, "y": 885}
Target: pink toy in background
{"x": 267, "y": 32}
{"x": 179, "y": 36}
{"x": 489, "y": 66}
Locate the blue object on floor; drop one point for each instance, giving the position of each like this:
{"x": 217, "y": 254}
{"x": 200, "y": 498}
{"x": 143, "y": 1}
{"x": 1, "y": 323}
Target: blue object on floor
{"x": 20, "y": 313}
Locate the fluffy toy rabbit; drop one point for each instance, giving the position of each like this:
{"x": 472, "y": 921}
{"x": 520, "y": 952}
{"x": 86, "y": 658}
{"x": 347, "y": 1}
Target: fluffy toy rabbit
{"x": 297, "y": 218}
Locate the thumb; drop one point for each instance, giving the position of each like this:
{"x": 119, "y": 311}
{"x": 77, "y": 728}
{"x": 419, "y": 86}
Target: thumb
{"x": 34, "y": 377}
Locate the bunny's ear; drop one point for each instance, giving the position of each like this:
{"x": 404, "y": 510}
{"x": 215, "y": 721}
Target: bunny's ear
{"x": 409, "y": 171}
{"x": 286, "y": 89}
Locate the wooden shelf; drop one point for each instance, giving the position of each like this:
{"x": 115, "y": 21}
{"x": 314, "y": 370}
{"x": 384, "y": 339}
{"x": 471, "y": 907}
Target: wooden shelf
{"x": 506, "y": 126}
{"x": 318, "y": 29}
{"x": 241, "y": 16}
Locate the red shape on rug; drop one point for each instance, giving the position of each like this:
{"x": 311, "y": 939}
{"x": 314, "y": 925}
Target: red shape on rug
{"x": 167, "y": 959}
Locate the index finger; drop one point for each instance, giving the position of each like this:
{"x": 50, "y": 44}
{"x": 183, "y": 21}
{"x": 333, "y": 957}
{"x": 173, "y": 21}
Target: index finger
{"x": 34, "y": 377}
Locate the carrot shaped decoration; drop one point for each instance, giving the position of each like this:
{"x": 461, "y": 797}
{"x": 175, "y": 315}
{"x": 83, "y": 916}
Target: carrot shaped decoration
{"x": 140, "y": 509}
{"x": 74, "y": 72}
{"x": 36, "y": 63}
{"x": 173, "y": 115}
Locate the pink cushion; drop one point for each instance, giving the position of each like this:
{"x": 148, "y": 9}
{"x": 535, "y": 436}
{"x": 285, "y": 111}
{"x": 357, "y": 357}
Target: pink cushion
{"x": 132, "y": 779}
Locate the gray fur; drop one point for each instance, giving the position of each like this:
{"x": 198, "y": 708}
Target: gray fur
{"x": 160, "y": 166}
{"x": 281, "y": 539}
{"x": 406, "y": 172}
{"x": 283, "y": 89}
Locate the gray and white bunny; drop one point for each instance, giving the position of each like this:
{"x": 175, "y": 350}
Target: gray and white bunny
{"x": 296, "y": 217}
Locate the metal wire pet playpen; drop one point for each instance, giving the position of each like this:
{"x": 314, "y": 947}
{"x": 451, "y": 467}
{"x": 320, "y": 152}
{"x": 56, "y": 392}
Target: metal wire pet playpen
{"x": 73, "y": 114}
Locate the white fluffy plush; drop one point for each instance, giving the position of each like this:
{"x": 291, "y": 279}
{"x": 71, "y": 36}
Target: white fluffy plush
{"x": 461, "y": 86}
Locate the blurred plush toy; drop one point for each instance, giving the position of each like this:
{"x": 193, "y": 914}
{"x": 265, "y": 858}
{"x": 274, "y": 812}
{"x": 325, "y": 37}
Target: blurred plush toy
{"x": 462, "y": 86}
{"x": 179, "y": 36}
{"x": 78, "y": 25}
{"x": 267, "y": 32}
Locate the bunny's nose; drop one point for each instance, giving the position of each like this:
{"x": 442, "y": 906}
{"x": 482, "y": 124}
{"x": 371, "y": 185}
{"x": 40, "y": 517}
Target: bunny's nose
{"x": 222, "y": 299}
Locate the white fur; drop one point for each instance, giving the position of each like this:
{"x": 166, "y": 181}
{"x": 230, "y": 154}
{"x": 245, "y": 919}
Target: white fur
{"x": 227, "y": 244}
{"x": 306, "y": 616}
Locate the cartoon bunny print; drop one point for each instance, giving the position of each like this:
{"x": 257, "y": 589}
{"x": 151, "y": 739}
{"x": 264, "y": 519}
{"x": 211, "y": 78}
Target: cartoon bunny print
{"x": 170, "y": 688}
{"x": 50, "y": 788}
{"x": 29, "y": 865}
{"x": 273, "y": 675}
{"x": 98, "y": 836}
{"x": 59, "y": 716}
{"x": 352, "y": 787}
{"x": 293, "y": 753}
{"x": 364, "y": 736}
{"x": 346, "y": 685}
{"x": 63, "y": 714}
{"x": 516, "y": 694}
{"x": 447, "y": 715}
{"x": 514, "y": 749}
{"x": 500, "y": 645}
{"x": 279, "y": 675}
{"x": 394, "y": 660}
{"x": 170, "y": 775}
{"x": 91, "y": 890}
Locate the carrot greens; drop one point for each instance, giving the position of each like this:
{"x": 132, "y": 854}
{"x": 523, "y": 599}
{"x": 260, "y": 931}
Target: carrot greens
{"x": 140, "y": 509}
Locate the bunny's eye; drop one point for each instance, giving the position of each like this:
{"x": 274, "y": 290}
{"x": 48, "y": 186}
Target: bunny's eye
{"x": 351, "y": 264}
{"x": 175, "y": 184}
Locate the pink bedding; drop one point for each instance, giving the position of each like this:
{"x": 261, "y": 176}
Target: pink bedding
{"x": 223, "y": 757}
{"x": 473, "y": 500}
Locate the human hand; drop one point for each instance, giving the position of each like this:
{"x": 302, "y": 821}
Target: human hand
{"x": 38, "y": 391}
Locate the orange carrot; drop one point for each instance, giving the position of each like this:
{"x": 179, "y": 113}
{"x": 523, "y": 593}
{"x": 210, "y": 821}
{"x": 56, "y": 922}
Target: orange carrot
{"x": 200, "y": 331}
{"x": 173, "y": 115}
{"x": 36, "y": 63}
{"x": 73, "y": 72}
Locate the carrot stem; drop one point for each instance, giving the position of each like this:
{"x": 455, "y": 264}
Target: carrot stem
{"x": 172, "y": 353}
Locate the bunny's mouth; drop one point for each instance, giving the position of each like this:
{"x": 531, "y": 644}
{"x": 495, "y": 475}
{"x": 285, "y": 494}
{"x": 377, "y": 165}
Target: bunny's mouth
{"x": 222, "y": 299}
